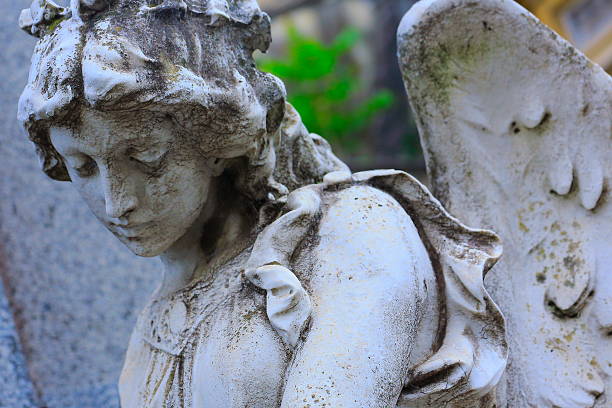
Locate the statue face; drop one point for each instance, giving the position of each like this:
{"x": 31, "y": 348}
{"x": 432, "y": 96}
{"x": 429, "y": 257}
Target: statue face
{"x": 145, "y": 183}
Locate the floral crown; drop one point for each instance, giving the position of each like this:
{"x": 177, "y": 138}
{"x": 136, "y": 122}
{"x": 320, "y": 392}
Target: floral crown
{"x": 44, "y": 15}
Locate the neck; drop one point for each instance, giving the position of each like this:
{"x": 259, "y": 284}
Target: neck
{"x": 218, "y": 231}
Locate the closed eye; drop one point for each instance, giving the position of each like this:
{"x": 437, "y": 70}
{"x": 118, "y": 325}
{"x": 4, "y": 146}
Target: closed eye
{"x": 83, "y": 165}
{"x": 151, "y": 160}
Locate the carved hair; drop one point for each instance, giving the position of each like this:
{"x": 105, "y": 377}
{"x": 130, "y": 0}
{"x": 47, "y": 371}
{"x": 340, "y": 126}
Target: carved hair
{"x": 191, "y": 59}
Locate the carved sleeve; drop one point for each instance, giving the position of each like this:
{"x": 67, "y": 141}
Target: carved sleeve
{"x": 365, "y": 267}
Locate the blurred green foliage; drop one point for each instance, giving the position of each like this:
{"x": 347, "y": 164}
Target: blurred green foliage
{"x": 324, "y": 85}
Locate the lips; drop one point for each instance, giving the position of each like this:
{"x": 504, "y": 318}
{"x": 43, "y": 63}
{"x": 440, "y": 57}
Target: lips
{"x": 130, "y": 230}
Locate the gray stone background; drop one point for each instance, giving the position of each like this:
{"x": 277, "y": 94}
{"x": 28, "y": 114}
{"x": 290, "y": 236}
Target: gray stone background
{"x": 73, "y": 290}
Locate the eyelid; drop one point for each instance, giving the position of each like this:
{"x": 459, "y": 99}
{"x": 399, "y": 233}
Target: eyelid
{"x": 83, "y": 165}
{"x": 75, "y": 161}
{"x": 148, "y": 158}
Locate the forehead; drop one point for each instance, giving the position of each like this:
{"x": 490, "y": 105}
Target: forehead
{"x": 100, "y": 133}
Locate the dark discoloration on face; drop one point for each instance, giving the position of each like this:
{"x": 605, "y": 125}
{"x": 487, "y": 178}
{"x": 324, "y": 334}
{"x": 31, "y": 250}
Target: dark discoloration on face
{"x": 141, "y": 179}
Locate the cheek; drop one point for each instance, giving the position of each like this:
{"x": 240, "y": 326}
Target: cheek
{"x": 91, "y": 192}
{"x": 161, "y": 193}
{"x": 180, "y": 190}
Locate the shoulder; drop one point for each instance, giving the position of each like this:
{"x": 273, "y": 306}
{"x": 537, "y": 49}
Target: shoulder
{"x": 365, "y": 237}
{"x": 364, "y": 200}
{"x": 365, "y": 215}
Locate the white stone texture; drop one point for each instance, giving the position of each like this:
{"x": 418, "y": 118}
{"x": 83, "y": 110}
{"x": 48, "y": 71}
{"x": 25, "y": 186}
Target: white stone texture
{"x": 516, "y": 129}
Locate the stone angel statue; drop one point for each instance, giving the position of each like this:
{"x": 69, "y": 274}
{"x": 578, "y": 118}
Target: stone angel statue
{"x": 516, "y": 126}
{"x": 288, "y": 281}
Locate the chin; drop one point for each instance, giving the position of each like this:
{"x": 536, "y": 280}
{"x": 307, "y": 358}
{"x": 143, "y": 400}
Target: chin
{"x": 145, "y": 248}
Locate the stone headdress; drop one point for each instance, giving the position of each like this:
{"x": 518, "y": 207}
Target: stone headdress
{"x": 44, "y": 14}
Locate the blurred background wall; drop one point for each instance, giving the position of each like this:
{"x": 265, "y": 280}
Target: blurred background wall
{"x": 71, "y": 292}
{"x": 357, "y": 101}
{"x": 366, "y": 88}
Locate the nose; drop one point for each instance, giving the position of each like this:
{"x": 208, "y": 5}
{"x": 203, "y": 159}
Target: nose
{"x": 119, "y": 195}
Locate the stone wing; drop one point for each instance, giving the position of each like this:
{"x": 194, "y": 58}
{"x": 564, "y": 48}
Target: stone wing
{"x": 516, "y": 129}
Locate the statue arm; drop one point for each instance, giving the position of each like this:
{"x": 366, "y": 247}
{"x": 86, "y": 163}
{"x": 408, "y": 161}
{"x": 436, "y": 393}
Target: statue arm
{"x": 368, "y": 273}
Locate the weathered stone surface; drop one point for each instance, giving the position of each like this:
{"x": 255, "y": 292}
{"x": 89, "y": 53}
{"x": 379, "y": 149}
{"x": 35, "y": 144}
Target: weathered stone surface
{"x": 516, "y": 126}
{"x": 74, "y": 290}
{"x": 287, "y": 280}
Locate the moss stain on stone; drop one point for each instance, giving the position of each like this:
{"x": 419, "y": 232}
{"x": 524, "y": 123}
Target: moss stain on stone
{"x": 56, "y": 22}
